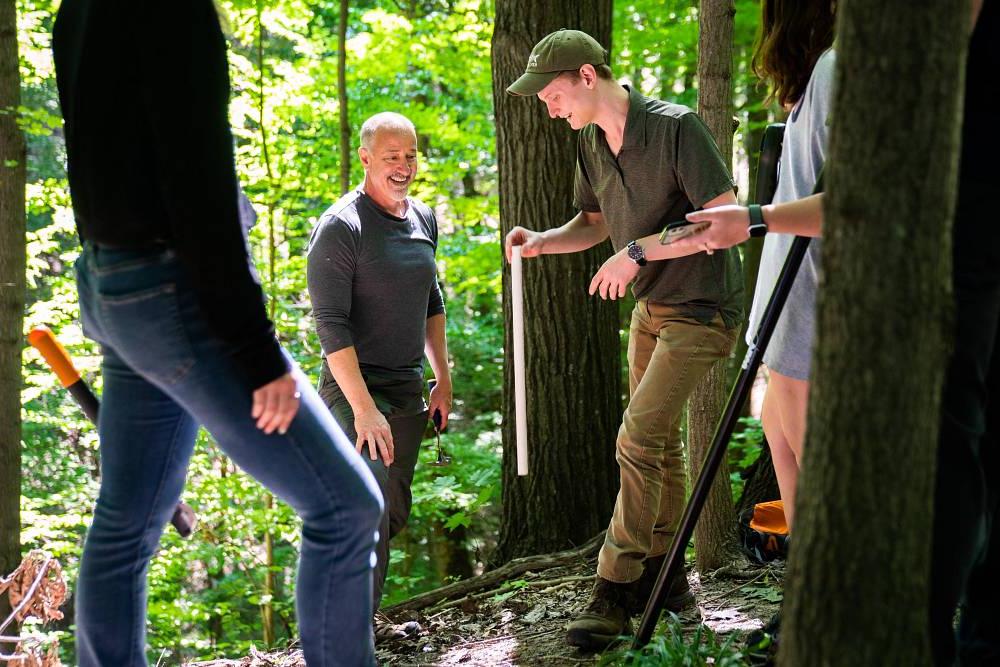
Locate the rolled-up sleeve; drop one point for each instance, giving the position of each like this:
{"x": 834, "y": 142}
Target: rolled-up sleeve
{"x": 330, "y": 266}
{"x": 435, "y": 301}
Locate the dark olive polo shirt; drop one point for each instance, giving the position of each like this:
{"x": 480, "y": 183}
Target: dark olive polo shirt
{"x": 668, "y": 165}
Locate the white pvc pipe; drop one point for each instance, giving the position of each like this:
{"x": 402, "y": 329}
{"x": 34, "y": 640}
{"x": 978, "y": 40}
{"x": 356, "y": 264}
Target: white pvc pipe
{"x": 520, "y": 406}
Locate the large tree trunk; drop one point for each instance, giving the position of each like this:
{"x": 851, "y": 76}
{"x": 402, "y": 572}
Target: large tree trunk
{"x": 715, "y": 533}
{"x": 13, "y": 155}
{"x": 857, "y": 585}
{"x": 571, "y": 340}
{"x": 345, "y": 122}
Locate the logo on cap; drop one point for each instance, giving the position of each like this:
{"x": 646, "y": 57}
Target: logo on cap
{"x": 533, "y": 61}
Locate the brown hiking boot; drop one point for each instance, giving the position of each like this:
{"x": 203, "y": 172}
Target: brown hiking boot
{"x": 605, "y": 619}
{"x": 679, "y": 595}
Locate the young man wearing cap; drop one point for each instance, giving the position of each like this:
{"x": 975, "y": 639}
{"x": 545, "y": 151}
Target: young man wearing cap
{"x": 641, "y": 163}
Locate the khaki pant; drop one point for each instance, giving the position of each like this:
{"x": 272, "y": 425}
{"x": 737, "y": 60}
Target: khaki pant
{"x": 668, "y": 355}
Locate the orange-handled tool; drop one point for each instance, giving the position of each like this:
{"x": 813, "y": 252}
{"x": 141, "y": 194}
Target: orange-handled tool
{"x": 58, "y": 359}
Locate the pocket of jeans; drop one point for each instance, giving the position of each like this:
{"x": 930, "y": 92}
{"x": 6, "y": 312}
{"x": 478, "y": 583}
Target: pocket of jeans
{"x": 88, "y": 322}
{"x": 146, "y": 329}
{"x": 110, "y": 262}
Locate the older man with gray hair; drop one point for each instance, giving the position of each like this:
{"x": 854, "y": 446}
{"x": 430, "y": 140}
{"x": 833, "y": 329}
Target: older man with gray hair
{"x": 378, "y": 309}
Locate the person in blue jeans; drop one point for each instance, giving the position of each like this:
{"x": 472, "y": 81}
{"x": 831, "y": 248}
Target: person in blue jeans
{"x": 166, "y": 287}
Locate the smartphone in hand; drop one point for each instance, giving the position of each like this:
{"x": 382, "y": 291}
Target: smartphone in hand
{"x": 675, "y": 231}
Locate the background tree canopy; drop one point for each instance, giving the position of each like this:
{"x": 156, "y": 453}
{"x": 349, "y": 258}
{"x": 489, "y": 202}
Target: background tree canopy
{"x": 429, "y": 59}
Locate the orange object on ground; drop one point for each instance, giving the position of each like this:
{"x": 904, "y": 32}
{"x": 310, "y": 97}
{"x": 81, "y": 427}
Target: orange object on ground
{"x": 769, "y": 518}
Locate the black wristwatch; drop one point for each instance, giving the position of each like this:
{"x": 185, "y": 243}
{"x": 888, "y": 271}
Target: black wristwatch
{"x": 636, "y": 253}
{"x": 757, "y": 226}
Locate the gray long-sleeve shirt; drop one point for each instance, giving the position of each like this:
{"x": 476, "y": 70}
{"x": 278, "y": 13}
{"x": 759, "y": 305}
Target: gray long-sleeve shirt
{"x": 373, "y": 283}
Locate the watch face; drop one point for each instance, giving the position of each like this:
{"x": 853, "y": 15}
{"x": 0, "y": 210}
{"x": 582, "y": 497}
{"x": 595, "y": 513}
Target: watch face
{"x": 636, "y": 253}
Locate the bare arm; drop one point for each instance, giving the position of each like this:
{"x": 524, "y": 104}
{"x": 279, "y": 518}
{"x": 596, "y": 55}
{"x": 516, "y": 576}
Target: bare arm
{"x": 655, "y": 250}
{"x": 612, "y": 279}
{"x": 436, "y": 349}
{"x": 370, "y": 424}
{"x": 585, "y": 230}
{"x": 802, "y": 217}
{"x": 729, "y": 224}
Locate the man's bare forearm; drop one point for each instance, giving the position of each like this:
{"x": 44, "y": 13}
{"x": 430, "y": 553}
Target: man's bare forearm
{"x": 436, "y": 348}
{"x": 585, "y": 230}
{"x": 655, "y": 250}
{"x": 347, "y": 372}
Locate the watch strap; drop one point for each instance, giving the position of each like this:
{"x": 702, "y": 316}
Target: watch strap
{"x": 757, "y": 226}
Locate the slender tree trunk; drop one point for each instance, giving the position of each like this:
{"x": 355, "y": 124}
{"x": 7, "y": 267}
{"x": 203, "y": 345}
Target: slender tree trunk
{"x": 715, "y": 533}
{"x": 857, "y": 586}
{"x": 13, "y": 156}
{"x": 571, "y": 340}
{"x": 266, "y": 606}
{"x": 345, "y": 121}
{"x": 451, "y": 553}
{"x": 752, "y": 248}
{"x": 761, "y": 484}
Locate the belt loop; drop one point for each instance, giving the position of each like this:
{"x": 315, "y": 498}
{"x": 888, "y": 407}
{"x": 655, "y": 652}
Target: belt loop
{"x": 87, "y": 250}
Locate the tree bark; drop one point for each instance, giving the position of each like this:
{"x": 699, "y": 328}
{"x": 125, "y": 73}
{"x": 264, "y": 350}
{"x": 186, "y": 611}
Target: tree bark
{"x": 752, "y": 248}
{"x": 450, "y": 552}
{"x": 572, "y": 346}
{"x": 715, "y": 536}
{"x": 857, "y": 584}
{"x": 13, "y": 156}
{"x": 267, "y": 605}
{"x": 761, "y": 484}
{"x": 345, "y": 122}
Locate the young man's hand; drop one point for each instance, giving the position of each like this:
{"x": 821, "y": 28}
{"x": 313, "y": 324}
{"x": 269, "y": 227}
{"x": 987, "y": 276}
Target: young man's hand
{"x": 614, "y": 276}
{"x": 531, "y": 242}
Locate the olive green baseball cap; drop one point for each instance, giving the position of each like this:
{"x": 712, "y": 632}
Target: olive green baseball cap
{"x": 558, "y": 52}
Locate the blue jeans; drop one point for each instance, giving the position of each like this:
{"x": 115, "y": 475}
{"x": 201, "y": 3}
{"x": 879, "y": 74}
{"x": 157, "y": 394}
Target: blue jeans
{"x": 164, "y": 374}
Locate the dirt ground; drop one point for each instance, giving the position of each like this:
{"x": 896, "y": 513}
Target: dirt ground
{"x": 522, "y": 621}
{"x": 526, "y": 624}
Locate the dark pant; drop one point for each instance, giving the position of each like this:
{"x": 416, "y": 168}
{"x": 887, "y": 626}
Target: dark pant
{"x": 394, "y": 481}
{"x": 164, "y": 374}
{"x": 966, "y": 550}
